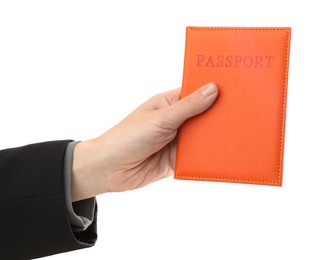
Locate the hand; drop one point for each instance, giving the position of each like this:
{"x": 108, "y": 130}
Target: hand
{"x": 140, "y": 149}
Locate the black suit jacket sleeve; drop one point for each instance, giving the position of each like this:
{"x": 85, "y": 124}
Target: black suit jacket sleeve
{"x": 33, "y": 216}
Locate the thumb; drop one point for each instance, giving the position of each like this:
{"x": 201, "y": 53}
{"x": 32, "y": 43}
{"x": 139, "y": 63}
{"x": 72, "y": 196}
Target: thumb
{"x": 193, "y": 104}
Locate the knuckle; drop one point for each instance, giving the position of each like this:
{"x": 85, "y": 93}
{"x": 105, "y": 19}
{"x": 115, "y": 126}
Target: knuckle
{"x": 189, "y": 101}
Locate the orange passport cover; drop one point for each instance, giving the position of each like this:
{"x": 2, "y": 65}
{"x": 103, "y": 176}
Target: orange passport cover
{"x": 241, "y": 137}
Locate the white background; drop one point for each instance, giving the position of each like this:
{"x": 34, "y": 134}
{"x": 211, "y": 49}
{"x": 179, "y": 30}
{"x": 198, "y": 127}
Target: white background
{"x": 73, "y": 69}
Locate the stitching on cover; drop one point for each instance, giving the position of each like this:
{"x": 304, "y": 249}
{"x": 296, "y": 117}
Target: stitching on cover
{"x": 238, "y": 28}
{"x": 283, "y": 108}
{"x": 227, "y": 179}
{"x": 283, "y": 105}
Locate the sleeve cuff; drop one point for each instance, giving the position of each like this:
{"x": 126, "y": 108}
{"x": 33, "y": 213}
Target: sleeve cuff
{"x": 80, "y": 213}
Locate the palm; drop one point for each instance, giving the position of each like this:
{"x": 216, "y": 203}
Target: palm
{"x": 159, "y": 165}
{"x": 147, "y": 154}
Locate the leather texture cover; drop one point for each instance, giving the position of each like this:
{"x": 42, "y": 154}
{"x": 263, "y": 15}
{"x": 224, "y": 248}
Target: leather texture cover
{"x": 241, "y": 137}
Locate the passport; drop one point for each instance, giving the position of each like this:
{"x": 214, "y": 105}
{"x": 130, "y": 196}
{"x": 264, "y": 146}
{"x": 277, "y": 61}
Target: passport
{"x": 240, "y": 138}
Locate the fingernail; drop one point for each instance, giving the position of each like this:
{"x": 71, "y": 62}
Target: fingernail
{"x": 209, "y": 89}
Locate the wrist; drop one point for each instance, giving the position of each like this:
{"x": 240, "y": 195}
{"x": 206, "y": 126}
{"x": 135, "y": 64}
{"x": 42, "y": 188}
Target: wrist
{"x": 85, "y": 171}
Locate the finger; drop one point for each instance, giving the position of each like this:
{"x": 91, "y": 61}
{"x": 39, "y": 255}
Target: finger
{"x": 163, "y": 100}
{"x": 173, "y": 153}
{"x": 172, "y": 96}
{"x": 193, "y": 104}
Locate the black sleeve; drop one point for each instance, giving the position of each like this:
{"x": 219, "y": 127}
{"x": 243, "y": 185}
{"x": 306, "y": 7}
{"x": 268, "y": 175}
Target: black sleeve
{"x": 33, "y": 216}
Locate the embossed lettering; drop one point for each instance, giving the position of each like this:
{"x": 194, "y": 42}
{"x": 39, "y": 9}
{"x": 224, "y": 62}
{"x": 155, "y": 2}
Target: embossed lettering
{"x": 235, "y": 61}
{"x": 200, "y": 59}
{"x": 269, "y": 60}
{"x": 238, "y": 60}
{"x": 258, "y": 61}
{"x": 220, "y": 60}
{"x": 228, "y": 61}
{"x": 210, "y": 62}
{"x": 248, "y": 60}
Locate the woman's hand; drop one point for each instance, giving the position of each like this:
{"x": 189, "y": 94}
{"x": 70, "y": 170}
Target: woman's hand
{"x": 140, "y": 149}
